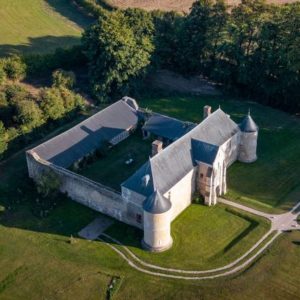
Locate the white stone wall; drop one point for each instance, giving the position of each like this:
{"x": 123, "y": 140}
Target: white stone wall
{"x": 83, "y": 190}
{"x": 181, "y": 194}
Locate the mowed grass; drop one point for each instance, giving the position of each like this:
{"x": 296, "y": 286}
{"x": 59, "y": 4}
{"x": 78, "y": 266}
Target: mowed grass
{"x": 38, "y": 261}
{"x": 272, "y": 183}
{"x": 206, "y": 237}
{"x": 111, "y": 169}
{"x": 39, "y": 25}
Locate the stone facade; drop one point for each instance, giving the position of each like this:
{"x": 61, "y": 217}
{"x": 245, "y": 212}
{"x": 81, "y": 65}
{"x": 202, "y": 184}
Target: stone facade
{"x": 154, "y": 213}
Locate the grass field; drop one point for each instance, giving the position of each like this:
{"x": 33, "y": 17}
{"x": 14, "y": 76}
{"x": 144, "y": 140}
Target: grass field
{"x": 206, "y": 237}
{"x": 39, "y": 25}
{"x": 178, "y": 5}
{"x": 39, "y": 262}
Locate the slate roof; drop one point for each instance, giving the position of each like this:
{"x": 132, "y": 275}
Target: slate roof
{"x": 204, "y": 152}
{"x": 248, "y": 125}
{"x": 156, "y": 203}
{"x": 68, "y": 147}
{"x": 167, "y": 127}
{"x": 178, "y": 159}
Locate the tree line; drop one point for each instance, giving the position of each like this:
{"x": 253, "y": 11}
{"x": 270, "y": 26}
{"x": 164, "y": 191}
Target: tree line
{"x": 21, "y": 111}
{"x": 252, "y": 48}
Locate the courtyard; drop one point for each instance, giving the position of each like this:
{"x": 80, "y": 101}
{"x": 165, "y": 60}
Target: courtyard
{"x": 120, "y": 162}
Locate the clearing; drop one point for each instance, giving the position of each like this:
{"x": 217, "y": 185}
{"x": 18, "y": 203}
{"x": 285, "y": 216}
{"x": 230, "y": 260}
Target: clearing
{"x": 39, "y": 25}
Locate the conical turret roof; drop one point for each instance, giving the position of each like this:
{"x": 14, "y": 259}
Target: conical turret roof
{"x": 156, "y": 203}
{"x": 248, "y": 125}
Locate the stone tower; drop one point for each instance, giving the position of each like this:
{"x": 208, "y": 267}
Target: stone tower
{"x": 157, "y": 223}
{"x": 248, "y": 140}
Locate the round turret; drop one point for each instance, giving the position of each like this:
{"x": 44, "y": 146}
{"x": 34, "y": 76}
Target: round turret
{"x": 248, "y": 140}
{"x": 157, "y": 223}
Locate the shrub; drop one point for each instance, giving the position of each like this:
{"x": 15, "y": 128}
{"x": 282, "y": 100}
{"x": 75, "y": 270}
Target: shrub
{"x": 71, "y": 100}
{"x": 12, "y": 133}
{"x": 52, "y": 103}
{"x": 62, "y": 78}
{"x": 29, "y": 115}
{"x": 2, "y": 75}
{"x": 3, "y": 138}
{"x": 5, "y": 109}
{"x": 14, "y": 68}
{"x": 16, "y": 93}
{"x": 44, "y": 64}
{"x": 48, "y": 184}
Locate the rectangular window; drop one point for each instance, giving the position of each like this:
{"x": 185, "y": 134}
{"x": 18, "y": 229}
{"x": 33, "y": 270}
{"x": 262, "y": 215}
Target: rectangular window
{"x": 138, "y": 218}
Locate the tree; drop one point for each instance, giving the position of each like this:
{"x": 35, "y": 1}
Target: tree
{"x": 48, "y": 184}
{"x": 15, "y": 68}
{"x": 29, "y": 114}
{"x": 62, "y": 78}
{"x": 52, "y": 103}
{"x": 168, "y": 29}
{"x": 71, "y": 100}
{"x": 3, "y": 140}
{"x": 119, "y": 49}
{"x": 194, "y": 36}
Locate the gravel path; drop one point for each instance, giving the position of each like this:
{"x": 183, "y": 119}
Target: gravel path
{"x": 279, "y": 224}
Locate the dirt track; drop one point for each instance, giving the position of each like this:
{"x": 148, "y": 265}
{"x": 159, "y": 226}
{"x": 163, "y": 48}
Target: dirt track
{"x": 179, "y": 5}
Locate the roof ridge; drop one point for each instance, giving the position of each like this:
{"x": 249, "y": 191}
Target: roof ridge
{"x": 188, "y": 133}
{"x": 78, "y": 125}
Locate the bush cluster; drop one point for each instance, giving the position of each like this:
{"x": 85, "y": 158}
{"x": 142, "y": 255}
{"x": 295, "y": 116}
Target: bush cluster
{"x": 13, "y": 68}
{"x": 21, "y": 112}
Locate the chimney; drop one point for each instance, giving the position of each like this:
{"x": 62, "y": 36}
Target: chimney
{"x": 206, "y": 111}
{"x": 157, "y": 146}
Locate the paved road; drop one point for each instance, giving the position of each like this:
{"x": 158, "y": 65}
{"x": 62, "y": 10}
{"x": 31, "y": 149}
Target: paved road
{"x": 281, "y": 222}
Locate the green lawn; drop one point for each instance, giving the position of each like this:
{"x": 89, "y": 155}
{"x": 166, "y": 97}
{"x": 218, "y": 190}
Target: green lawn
{"x": 38, "y": 262}
{"x": 272, "y": 183}
{"x": 206, "y": 237}
{"x": 39, "y": 25}
{"x": 111, "y": 170}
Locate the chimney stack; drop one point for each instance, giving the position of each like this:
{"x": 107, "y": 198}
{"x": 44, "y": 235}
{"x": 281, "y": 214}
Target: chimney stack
{"x": 157, "y": 146}
{"x": 206, "y": 111}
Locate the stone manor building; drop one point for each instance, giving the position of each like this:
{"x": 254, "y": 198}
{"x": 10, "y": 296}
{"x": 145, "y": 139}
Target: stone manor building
{"x": 186, "y": 158}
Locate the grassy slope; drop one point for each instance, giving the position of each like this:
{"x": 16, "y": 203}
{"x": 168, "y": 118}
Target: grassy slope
{"x": 205, "y": 237}
{"x": 272, "y": 183}
{"x": 39, "y": 25}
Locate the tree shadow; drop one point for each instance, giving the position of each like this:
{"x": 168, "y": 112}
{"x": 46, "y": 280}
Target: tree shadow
{"x": 69, "y": 10}
{"x": 42, "y": 45}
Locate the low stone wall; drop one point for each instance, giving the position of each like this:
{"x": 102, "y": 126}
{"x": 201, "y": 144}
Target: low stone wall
{"x": 81, "y": 189}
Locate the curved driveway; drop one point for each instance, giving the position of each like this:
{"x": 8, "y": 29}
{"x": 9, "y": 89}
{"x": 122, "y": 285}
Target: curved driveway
{"x": 279, "y": 224}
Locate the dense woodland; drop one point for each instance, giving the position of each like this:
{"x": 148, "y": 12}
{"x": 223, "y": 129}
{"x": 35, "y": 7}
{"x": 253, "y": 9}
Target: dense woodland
{"x": 252, "y": 49}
